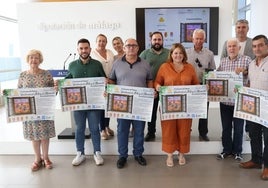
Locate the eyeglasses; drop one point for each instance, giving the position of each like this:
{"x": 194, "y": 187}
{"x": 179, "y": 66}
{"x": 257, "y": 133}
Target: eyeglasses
{"x": 198, "y": 62}
{"x": 131, "y": 46}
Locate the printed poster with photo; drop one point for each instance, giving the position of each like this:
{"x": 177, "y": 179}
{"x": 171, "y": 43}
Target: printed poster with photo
{"x": 183, "y": 102}
{"x": 221, "y": 85}
{"x": 252, "y": 104}
{"x": 30, "y": 104}
{"x": 127, "y": 102}
{"x": 82, "y": 93}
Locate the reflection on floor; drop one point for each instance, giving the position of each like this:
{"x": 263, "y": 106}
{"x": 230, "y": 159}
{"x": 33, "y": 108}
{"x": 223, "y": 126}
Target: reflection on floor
{"x": 202, "y": 171}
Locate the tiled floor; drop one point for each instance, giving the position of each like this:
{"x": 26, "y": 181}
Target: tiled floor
{"x": 201, "y": 171}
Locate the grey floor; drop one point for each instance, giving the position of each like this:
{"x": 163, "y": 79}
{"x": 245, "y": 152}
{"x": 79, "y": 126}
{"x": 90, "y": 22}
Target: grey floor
{"x": 201, "y": 171}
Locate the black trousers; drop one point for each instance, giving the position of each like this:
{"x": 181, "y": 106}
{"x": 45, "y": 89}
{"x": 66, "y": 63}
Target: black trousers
{"x": 203, "y": 124}
{"x": 152, "y": 124}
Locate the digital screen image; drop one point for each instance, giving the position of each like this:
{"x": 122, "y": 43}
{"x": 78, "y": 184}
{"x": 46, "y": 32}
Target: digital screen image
{"x": 249, "y": 104}
{"x": 120, "y": 103}
{"x": 74, "y": 95}
{"x": 217, "y": 87}
{"x": 187, "y": 30}
{"x": 174, "y": 103}
{"x": 177, "y": 25}
{"x": 21, "y": 105}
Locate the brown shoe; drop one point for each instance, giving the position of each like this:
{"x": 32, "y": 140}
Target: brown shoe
{"x": 104, "y": 135}
{"x": 264, "y": 175}
{"x": 250, "y": 164}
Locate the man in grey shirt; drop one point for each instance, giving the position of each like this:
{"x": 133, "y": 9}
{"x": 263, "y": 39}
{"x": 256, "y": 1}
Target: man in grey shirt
{"x": 241, "y": 31}
{"x": 203, "y": 60}
{"x": 131, "y": 70}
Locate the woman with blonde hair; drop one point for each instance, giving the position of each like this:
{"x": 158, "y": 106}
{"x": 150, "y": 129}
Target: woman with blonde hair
{"x": 106, "y": 57}
{"x": 38, "y": 131}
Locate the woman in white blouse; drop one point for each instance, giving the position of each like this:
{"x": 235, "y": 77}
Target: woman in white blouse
{"x": 106, "y": 57}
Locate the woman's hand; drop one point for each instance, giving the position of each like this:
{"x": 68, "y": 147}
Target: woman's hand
{"x": 157, "y": 87}
{"x": 56, "y": 85}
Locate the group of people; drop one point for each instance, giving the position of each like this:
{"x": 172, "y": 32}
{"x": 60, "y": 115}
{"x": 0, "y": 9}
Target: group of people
{"x": 153, "y": 68}
{"x": 249, "y": 57}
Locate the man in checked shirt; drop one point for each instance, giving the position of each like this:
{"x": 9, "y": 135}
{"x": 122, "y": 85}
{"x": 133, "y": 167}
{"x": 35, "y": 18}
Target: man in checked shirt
{"x": 232, "y": 144}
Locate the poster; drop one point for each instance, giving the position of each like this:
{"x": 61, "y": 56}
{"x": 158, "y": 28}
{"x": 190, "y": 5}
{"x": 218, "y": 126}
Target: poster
{"x": 82, "y": 93}
{"x": 252, "y": 104}
{"x": 30, "y": 104}
{"x": 127, "y": 102}
{"x": 221, "y": 85}
{"x": 183, "y": 102}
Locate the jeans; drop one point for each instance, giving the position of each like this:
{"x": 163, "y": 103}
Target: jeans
{"x": 152, "y": 124}
{"x": 93, "y": 118}
{"x": 256, "y": 133}
{"x": 203, "y": 124}
{"x": 123, "y": 134}
{"x": 232, "y": 143}
{"x": 104, "y": 122}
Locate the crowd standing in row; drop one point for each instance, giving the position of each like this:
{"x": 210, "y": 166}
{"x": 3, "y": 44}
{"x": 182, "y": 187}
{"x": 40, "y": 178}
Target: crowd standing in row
{"x": 155, "y": 67}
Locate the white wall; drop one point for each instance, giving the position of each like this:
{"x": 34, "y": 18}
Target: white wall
{"x": 258, "y": 18}
{"x": 56, "y": 45}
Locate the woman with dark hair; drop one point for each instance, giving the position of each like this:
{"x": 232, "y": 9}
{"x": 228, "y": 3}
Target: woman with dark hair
{"x": 176, "y": 132}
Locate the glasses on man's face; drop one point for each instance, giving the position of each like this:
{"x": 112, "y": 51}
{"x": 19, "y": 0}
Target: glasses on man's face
{"x": 131, "y": 46}
{"x": 198, "y": 62}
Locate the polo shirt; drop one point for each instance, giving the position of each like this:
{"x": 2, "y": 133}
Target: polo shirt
{"x": 136, "y": 74}
{"x": 92, "y": 68}
{"x": 155, "y": 60}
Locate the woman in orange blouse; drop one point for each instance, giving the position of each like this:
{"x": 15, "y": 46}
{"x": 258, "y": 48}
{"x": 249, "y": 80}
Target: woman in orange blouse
{"x": 176, "y": 132}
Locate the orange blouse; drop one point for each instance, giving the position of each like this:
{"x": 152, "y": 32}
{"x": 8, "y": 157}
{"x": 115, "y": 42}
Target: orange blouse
{"x": 167, "y": 76}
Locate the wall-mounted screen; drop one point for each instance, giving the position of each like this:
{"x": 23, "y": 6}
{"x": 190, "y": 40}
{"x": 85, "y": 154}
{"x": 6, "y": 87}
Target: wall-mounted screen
{"x": 177, "y": 25}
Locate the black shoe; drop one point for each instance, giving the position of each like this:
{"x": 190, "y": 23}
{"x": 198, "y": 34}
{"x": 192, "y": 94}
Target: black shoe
{"x": 203, "y": 138}
{"x": 121, "y": 162}
{"x": 141, "y": 160}
{"x": 149, "y": 137}
{"x": 223, "y": 155}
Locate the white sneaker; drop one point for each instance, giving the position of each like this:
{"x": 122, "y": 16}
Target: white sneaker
{"x": 98, "y": 159}
{"x": 79, "y": 159}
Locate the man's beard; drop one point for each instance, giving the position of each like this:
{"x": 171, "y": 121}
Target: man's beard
{"x": 84, "y": 57}
{"x": 157, "y": 47}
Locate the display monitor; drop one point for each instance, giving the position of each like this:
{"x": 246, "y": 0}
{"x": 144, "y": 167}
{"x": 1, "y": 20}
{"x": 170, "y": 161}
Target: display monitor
{"x": 177, "y": 25}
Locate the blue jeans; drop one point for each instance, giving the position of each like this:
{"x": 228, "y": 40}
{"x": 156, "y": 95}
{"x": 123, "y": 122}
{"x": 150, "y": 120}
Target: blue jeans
{"x": 93, "y": 118}
{"x": 232, "y": 143}
{"x": 258, "y": 154}
{"x": 123, "y": 134}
